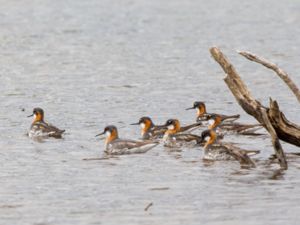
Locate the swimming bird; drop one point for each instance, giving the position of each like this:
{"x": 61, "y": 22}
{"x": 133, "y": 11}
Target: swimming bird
{"x": 39, "y": 128}
{"x": 116, "y": 146}
{"x": 202, "y": 113}
{"x": 216, "y": 150}
{"x": 174, "y": 138}
{"x": 215, "y": 121}
{"x": 151, "y": 131}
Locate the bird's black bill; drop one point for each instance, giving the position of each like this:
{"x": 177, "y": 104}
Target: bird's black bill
{"x": 162, "y": 126}
{"x": 31, "y": 115}
{"x": 189, "y": 108}
{"x": 135, "y": 124}
{"x": 100, "y": 134}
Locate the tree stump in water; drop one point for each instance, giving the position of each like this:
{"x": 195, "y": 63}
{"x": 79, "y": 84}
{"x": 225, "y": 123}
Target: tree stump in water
{"x": 271, "y": 118}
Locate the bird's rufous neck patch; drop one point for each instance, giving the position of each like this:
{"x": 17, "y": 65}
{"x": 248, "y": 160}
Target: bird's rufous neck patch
{"x": 111, "y": 136}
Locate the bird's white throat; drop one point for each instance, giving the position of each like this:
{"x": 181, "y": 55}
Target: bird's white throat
{"x": 171, "y": 127}
{"x": 211, "y": 122}
{"x": 107, "y": 133}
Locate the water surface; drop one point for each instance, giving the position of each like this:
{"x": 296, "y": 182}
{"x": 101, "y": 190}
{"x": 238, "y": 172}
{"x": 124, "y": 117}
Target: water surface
{"x": 93, "y": 63}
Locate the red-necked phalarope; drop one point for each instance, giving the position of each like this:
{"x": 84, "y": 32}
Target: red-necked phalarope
{"x": 39, "y": 128}
{"x": 215, "y": 121}
{"x": 202, "y": 114}
{"x": 151, "y": 131}
{"x": 173, "y": 137}
{"x": 214, "y": 150}
{"x": 116, "y": 146}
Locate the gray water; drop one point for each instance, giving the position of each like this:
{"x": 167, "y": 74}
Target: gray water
{"x": 93, "y": 63}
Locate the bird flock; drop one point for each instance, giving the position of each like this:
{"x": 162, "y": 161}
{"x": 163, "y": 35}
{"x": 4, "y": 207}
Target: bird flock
{"x": 171, "y": 134}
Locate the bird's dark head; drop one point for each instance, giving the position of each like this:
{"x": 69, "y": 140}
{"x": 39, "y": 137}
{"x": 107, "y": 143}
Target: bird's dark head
{"x": 208, "y": 137}
{"x": 200, "y": 107}
{"x": 214, "y": 120}
{"x": 173, "y": 125}
{"x": 111, "y": 133}
{"x": 145, "y": 122}
{"x": 38, "y": 114}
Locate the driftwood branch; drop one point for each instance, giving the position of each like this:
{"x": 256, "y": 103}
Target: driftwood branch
{"x": 148, "y": 206}
{"x": 275, "y": 140}
{"x": 240, "y": 155}
{"x": 253, "y": 107}
{"x": 281, "y": 73}
{"x": 286, "y": 130}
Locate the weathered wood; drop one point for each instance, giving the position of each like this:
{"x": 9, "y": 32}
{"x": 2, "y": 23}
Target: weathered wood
{"x": 256, "y": 109}
{"x": 275, "y": 141}
{"x": 281, "y": 73}
{"x": 285, "y": 129}
{"x": 229, "y": 70}
{"x": 237, "y": 86}
{"x": 240, "y": 155}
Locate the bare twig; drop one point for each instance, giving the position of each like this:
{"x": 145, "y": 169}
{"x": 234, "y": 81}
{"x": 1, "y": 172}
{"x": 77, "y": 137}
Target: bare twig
{"x": 275, "y": 141}
{"x": 240, "y": 155}
{"x": 148, "y": 206}
{"x": 281, "y": 73}
{"x": 159, "y": 189}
